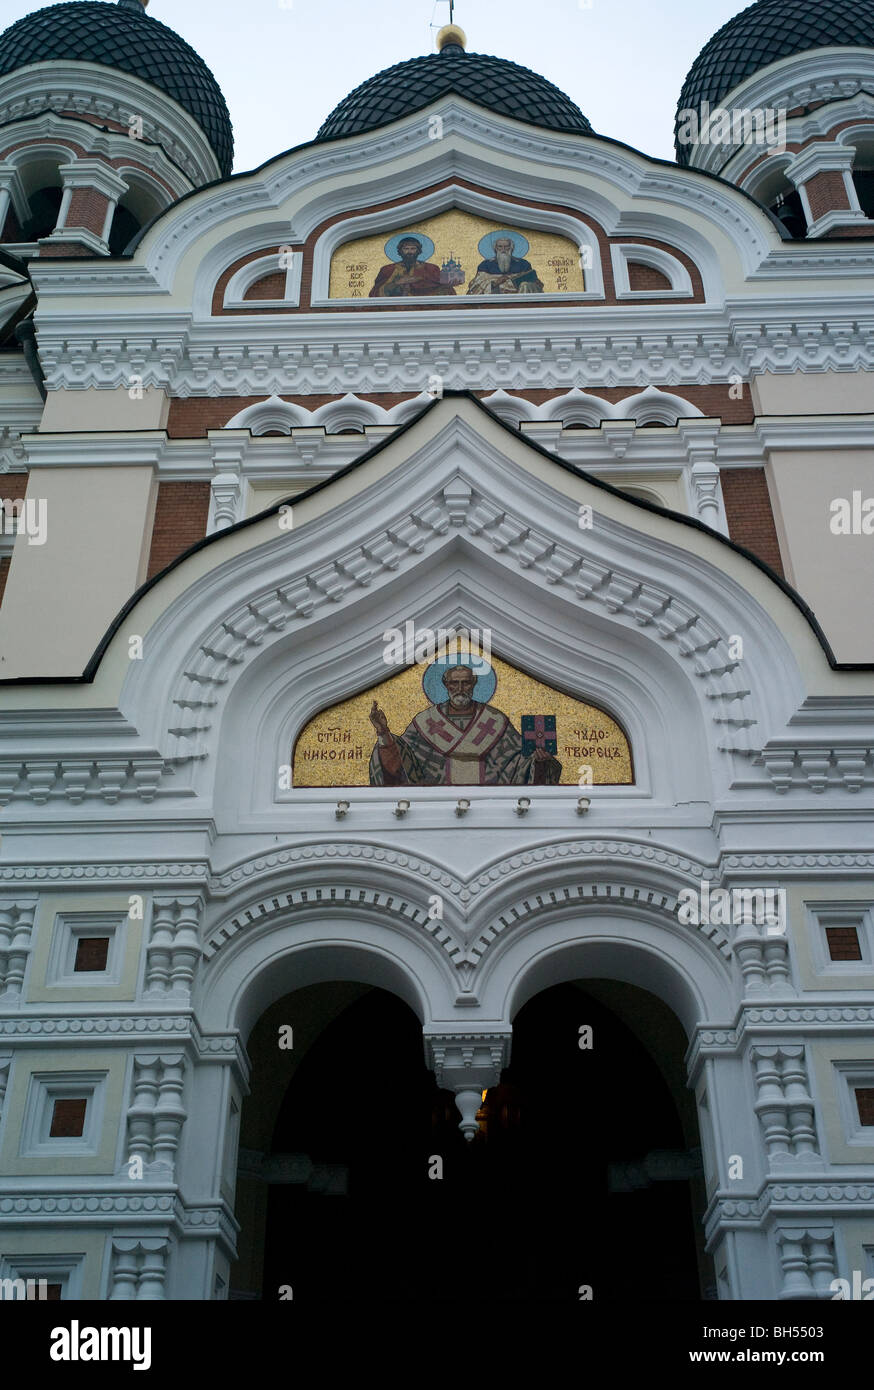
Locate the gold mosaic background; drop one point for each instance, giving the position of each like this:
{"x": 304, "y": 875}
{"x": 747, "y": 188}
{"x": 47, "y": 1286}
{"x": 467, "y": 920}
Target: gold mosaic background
{"x": 346, "y": 730}
{"x": 556, "y": 260}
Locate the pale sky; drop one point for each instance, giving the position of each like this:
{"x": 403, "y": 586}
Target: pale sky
{"x": 284, "y": 64}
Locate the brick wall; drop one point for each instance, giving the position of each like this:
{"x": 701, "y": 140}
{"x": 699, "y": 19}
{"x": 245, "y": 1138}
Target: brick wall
{"x": 646, "y": 277}
{"x": 192, "y": 417}
{"x": 826, "y": 191}
{"x": 268, "y": 287}
{"x": 749, "y": 515}
{"x": 181, "y": 515}
{"x": 87, "y": 209}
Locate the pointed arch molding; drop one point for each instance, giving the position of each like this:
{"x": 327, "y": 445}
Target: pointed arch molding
{"x": 374, "y": 883}
{"x": 485, "y": 503}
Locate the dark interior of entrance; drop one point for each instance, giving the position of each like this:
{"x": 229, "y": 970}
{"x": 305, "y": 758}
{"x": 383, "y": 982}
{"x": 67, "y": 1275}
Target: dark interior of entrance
{"x": 582, "y": 1175}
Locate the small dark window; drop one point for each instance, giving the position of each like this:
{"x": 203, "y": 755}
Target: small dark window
{"x": 790, "y": 210}
{"x": 865, "y": 1102}
{"x": 843, "y": 943}
{"x": 123, "y": 230}
{"x": 45, "y": 204}
{"x": 92, "y": 953}
{"x": 68, "y": 1119}
{"x": 53, "y": 1293}
{"x": 864, "y": 181}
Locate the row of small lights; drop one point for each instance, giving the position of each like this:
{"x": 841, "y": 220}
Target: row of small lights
{"x": 523, "y": 805}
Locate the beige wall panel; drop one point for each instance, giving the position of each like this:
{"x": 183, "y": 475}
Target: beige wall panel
{"x": 815, "y": 969}
{"x": 46, "y": 926}
{"x": 813, "y": 393}
{"x": 98, "y": 530}
{"x": 49, "y": 1240}
{"x": 94, "y": 409}
{"x": 830, "y": 572}
{"x": 828, "y": 1085}
{"x": 56, "y": 1062}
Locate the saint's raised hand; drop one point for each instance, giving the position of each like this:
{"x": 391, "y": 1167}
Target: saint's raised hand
{"x": 378, "y": 719}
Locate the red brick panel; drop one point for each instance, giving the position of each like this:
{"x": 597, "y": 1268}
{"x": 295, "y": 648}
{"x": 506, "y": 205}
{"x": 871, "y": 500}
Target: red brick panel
{"x": 181, "y": 515}
{"x": 13, "y": 486}
{"x": 68, "y": 1119}
{"x": 5, "y": 564}
{"x": 843, "y": 943}
{"x": 192, "y": 417}
{"x": 87, "y": 209}
{"x": 92, "y": 953}
{"x": 825, "y": 192}
{"x": 865, "y": 1102}
{"x": 646, "y": 277}
{"x": 749, "y": 514}
{"x": 268, "y": 287}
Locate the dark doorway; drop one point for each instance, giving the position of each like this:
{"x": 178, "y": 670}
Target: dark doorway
{"x": 524, "y": 1212}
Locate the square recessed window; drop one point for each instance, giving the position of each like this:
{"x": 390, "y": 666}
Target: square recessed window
{"x": 865, "y": 1105}
{"x": 842, "y": 937}
{"x": 86, "y": 944}
{"x": 855, "y": 1094}
{"x": 68, "y": 1119}
{"x": 63, "y": 1114}
{"x": 44, "y": 1277}
{"x": 92, "y": 953}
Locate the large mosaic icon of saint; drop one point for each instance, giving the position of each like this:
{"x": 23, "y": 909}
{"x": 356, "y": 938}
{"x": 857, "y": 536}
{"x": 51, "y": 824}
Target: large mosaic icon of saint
{"x": 461, "y": 739}
{"x": 410, "y": 271}
{"x": 456, "y": 254}
{"x": 503, "y": 271}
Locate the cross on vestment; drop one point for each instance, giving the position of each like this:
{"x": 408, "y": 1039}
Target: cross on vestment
{"x": 488, "y": 728}
{"x": 436, "y": 731}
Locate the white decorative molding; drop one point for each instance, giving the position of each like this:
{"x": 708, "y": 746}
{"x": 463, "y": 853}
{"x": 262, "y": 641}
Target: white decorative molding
{"x": 156, "y": 1113}
{"x": 44, "y": 90}
{"x": 784, "y": 1105}
{"x": 807, "y": 1256}
{"x": 174, "y": 949}
{"x": 16, "y": 927}
{"x": 139, "y": 1268}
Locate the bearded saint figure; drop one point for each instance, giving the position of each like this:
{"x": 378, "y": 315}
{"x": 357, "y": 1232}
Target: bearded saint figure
{"x": 409, "y": 275}
{"x": 459, "y": 742}
{"x": 505, "y": 273}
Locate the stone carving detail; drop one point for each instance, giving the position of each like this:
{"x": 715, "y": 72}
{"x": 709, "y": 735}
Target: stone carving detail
{"x": 156, "y": 1114}
{"x": 807, "y": 1255}
{"x": 763, "y": 960}
{"x": 242, "y": 633}
{"x": 139, "y": 1267}
{"x": 174, "y": 949}
{"x": 16, "y": 926}
{"x": 76, "y": 780}
{"x": 468, "y": 1064}
{"x": 784, "y": 1105}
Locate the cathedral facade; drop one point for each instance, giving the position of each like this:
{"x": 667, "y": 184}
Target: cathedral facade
{"x": 435, "y": 650}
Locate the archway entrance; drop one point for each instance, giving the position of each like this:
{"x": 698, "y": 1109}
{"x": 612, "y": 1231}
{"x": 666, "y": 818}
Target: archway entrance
{"x": 581, "y": 1174}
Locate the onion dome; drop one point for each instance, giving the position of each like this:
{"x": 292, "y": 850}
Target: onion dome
{"x": 122, "y": 36}
{"x": 495, "y": 83}
{"x": 765, "y": 33}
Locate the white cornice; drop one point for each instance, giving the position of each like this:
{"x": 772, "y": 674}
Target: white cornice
{"x": 96, "y": 90}
{"x": 831, "y": 75}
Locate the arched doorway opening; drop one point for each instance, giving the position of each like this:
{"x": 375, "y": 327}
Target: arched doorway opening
{"x": 583, "y": 1173}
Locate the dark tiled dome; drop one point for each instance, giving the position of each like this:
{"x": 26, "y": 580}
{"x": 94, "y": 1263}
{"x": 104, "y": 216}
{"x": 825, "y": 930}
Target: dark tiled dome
{"x": 122, "y": 36}
{"x": 494, "y": 83}
{"x": 765, "y": 33}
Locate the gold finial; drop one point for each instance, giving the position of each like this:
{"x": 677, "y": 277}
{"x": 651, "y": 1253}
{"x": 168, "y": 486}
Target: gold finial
{"x": 451, "y": 35}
